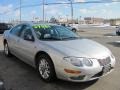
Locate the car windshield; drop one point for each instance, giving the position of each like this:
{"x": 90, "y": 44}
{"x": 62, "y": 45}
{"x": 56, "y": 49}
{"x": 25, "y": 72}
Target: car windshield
{"x": 54, "y": 33}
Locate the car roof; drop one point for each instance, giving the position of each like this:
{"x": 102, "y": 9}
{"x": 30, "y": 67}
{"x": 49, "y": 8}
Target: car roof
{"x": 38, "y": 23}
{"x": 43, "y": 24}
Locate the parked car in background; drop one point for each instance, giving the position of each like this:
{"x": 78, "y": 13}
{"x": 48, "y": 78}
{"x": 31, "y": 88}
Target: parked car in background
{"x": 69, "y": 27}
{"x": 58, "y": 52}
{"x": 4, "y": 26}
{"x": 118, "y": 30}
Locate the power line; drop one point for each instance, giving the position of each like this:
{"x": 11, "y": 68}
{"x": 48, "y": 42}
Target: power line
{"x": 10, "y": 11}
{"x": 35, "y": 5}
{"x": 32, "y": 5}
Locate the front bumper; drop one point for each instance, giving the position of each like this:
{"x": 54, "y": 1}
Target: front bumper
{"x": 87, "y": 73}
{"x": 89, "y": 77}
{"x": 86, "y": 77}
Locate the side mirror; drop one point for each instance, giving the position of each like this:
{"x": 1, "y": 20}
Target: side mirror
{"x": 29, "y": 37}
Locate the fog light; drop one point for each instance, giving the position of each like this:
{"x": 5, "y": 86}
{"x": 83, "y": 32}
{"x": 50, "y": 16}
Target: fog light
{"x": 78, "y": 78}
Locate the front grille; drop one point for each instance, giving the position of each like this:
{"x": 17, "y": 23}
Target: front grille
{"x": 105, "y": 61}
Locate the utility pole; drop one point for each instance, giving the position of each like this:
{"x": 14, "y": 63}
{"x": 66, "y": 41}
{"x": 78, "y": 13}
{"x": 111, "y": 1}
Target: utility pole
{"x": 71, "y": 3}
{"x": 67, "y": 18}
{"x": 43, "y": 11}
{"x": 20, "y": 10}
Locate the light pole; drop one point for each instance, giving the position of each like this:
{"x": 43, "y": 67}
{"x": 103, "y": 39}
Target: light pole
{"x": 43, "y": 11}
{"x": 71, "y": 3}
{"x": 67, "y": 18}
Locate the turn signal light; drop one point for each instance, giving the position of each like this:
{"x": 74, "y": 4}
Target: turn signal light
{"x": 72, "y": 71}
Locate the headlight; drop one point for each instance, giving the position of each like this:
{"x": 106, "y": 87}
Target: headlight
{"x": 80, "y": 62}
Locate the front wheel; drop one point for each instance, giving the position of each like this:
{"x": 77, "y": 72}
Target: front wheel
{"x": 46, "y": 68}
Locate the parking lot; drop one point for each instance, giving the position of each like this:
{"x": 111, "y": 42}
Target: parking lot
{"x": 19, "y": 76}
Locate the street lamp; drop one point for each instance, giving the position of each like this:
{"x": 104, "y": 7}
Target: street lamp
{"x": 71, "y": 3}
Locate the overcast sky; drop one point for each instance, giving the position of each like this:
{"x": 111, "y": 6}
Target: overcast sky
{"x": 104, "y": 10}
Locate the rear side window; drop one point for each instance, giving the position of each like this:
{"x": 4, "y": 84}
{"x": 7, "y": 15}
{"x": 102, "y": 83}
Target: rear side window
{"x": 16, "y": 30}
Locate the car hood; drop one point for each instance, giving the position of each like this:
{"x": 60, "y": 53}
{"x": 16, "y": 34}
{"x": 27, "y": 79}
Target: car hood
{"x": 80, "y": 48}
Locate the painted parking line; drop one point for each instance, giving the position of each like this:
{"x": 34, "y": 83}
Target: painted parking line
{"x": 117, "y": 42}
{"x": 109, "y": 36}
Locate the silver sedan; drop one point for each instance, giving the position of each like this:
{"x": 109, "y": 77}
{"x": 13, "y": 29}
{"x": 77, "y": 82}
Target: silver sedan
{"x": 57, "y": 52}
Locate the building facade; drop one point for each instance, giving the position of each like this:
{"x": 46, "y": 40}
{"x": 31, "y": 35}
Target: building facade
{"x": 114, "y": 22}
{"x": 93, "y": 20}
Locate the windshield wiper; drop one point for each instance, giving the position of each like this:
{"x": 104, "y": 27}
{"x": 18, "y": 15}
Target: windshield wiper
{"x": 70, "y": 38}
{"x": 52, "y": 38}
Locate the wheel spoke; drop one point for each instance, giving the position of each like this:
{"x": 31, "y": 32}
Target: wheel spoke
{"x": 46, "y": 74}
{"x": 44, "y": 68}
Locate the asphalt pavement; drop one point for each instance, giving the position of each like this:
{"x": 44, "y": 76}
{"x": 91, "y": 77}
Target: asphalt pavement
{"x": 20, "y": 76}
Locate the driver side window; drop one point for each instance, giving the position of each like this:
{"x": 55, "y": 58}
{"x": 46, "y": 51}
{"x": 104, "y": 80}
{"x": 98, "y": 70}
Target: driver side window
{"x": 27, "y": 34}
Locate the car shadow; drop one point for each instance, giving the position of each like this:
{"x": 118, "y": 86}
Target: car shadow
{"x": 15, "y": 60}
{"x": 67, "y": 85}
{"x": 114, "y": 44}
{"x": 29, "y": 77}
{"x": 110, "y": 34}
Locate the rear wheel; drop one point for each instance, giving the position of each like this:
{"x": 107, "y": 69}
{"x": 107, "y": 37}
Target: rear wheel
{"x": 74, "y": 30}
{"x": 118, "y": 33}
{"x": 46, "y": 68}
{"x": 6, "y": 49}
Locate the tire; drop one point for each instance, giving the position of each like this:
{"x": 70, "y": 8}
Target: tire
{"x": 118, "y": 33}
{"x": 6, "y": 50}
{"x": 74, "y": 30}
{"x": 45, "y": 68}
